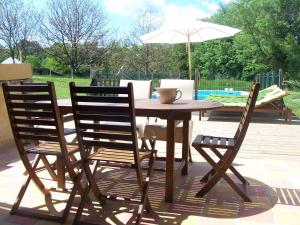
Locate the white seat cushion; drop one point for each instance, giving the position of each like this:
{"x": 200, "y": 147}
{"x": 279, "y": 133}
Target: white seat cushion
{"x": 159, "y": 130}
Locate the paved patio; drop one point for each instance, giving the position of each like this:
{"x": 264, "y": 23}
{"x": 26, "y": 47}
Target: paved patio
{"x": 269, "y": 158}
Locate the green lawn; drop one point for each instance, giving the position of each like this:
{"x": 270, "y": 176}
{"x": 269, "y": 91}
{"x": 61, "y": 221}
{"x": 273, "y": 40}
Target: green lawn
{"x": 62, "y": 83}
{"x": 293, "y": 102}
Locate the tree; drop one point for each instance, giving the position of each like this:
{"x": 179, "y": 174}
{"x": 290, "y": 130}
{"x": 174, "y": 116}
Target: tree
{"x": 34, "y": 60}
{"x": 269, "y": 39}
{"x": 17, "y": 24}
{"x": 71, "y": 23}
{"x": 31, "y": 47}
{"x": 54, "y": 64}
{"x": 3, "y": 53}
{"x": 146, "y": 22}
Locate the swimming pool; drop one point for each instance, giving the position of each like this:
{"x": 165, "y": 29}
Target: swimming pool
{"x": 202, "y": 94}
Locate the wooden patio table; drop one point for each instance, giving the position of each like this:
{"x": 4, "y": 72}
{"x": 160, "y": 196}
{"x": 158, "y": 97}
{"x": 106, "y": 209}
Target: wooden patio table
{"x": 179, "y": 110}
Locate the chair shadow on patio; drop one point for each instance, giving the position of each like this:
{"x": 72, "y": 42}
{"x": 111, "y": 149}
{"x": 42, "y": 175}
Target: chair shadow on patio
{"x": 220, "y": 202}
{"x": 9, "y": 156}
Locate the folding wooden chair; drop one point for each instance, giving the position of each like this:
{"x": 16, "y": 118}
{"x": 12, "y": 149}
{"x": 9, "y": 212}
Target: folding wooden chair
{"x": 106, "y": 123}
{"x": 34, "y": 117}
{"x": 231, "y": 146}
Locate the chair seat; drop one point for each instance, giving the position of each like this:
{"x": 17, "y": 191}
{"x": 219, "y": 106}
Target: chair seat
{"x": 140, "y": 123}
{"x": 51, "y": 149}
{"x": 68, "y": 131}
{"x": 211, "y": 141}
{"x": 118, "y": 156}
{"x": 159, "y": 130}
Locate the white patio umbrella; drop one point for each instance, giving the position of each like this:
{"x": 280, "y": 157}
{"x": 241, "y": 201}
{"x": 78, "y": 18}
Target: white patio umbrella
{"x": 188, "y": 31}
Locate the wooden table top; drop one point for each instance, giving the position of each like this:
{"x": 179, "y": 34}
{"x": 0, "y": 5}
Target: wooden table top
{"x": 153, "y": 104}
{"x": 179, "y": 105}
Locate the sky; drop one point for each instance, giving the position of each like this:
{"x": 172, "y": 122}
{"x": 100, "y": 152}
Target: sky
{"x": 122, "y": 14}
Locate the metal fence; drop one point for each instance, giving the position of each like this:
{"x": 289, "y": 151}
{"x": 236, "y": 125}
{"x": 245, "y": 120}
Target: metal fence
{"x": 270, "y": 78}
{"x": 203, "y": 84}
{"x": 224, "y": 84}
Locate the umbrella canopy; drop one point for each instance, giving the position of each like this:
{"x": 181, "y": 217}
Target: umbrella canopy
{"x": 188, "y": 31}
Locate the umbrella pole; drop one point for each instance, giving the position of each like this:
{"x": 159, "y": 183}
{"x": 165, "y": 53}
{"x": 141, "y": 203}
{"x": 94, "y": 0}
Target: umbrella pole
{"x": 190, "y": 60}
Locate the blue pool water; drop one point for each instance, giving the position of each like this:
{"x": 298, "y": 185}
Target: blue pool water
{"x": 202, "y": 94}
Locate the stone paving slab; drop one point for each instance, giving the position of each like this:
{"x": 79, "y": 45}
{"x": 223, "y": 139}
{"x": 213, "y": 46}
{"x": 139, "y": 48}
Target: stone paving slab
{"x": 269, "y": 159}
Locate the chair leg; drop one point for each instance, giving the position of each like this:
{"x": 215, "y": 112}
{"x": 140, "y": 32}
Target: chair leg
{"x": 49, "y": 168}
{"x": 219, "y": 170}
{"x": 205, "y": 178}
{"x": 81, "y": 205}
{"x": 34, "y": 164}
{"x": 144, "y": 185}
{"x": 148, "y": 178}
{"x": 234, "y": 186}
{"x": 20, "y": 196}
{"x": 60, "y": 167}
{"x": 216, "y": 177}
{"x": 70, "y": 201}
{"x": 152, "y": 142}
{"x": 92, "y": 182}
{"x": 145, "y": 202}
{"x": 144, "y": 145}
{"x": 190, "y": 154}
{"x": 236, "y": 173}
{"x": 33, "y": 176}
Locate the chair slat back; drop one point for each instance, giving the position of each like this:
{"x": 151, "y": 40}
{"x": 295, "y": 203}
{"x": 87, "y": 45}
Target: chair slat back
{"x": 105, "y": 81}
{"x": 185, "y": 86}
{"x": 105, "y": 117}
{"x": 33, "y": 113}
{"x": 246, "y": 115}
{"x": 142, "y": 88}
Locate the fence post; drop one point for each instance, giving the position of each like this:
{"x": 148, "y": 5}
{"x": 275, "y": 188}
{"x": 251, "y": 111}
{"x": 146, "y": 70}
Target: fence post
{"x": 281, "y": 78}
{"x": 197, "y": 75}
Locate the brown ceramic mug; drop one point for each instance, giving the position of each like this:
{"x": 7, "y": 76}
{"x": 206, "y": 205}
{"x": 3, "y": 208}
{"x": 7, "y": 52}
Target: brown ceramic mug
{"x": 168, "y": 95}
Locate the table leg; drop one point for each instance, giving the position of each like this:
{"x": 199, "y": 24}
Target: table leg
{"x": 170, "y": 161}
{"x": 60, "y": 167}
{"x": 185, "y": 146}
